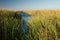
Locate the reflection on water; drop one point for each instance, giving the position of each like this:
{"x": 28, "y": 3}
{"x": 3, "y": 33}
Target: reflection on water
{"x": 24, "y": 22}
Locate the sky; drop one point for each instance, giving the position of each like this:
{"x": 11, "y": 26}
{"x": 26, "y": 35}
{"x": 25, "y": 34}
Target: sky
{"x": 30, "y": 4}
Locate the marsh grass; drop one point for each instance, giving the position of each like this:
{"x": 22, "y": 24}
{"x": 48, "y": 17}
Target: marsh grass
{"x": 45, "y": 25}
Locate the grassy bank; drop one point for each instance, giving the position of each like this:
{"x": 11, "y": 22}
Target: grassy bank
{"x": 9, "y": 24}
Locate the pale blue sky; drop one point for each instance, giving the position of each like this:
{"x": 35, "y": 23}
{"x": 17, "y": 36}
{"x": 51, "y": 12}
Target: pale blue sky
{"x": 30, "y": 4}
